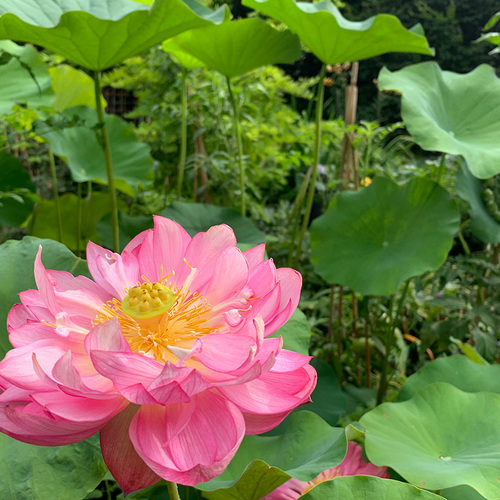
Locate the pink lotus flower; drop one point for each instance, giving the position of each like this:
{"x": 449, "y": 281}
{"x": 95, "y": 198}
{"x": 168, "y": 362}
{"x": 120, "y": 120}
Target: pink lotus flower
{"x": 165, "y": 354}
{"x": 352, "y": 465}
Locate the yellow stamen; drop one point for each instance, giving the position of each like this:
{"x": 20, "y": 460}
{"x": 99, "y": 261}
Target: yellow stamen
{"x": 154, "y": 316}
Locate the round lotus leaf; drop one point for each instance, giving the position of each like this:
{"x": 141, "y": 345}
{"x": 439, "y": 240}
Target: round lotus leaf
{"x": 455, "y": 370}
{"x": 262, "y": 463}
{"x": 98, "y": 35}
{"x": 483, "y": 225}
{"x": 373, "y": 239}
{"x": 367, "y": 488}
{"x": 17, "y": 260}
{"x": 334, "y": 39}
{"x": 236, "y": 47}
{"x": 450, "y": 112}
{"x": 441, "y": 438}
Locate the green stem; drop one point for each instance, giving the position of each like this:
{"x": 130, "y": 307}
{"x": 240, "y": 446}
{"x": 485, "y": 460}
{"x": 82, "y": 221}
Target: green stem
{"x": 184, "y": 114}
{"x": 465, "y": 246}
{"x": 236, "y": 122}
{"x": 109, "y": 162}
{"x": 173, "y": 492}
{"x": 79, "y": 219}
{"x": 389, "y": 340}
{"x": 108, "y": 491}
{"x": 52, "y": 163}
{"x": 317, "y": 145}
{"x": 441, "y": 169}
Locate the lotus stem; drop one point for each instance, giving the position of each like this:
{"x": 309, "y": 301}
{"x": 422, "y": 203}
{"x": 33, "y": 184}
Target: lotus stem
{"x": 109, "y": 162}
{"x": 389, "y": 340}
{"x": 79, "y": 219}
{"x": 441, "y": 168}
{"x": 317, "y": 146}
{"x": 184, "y": 113}
{"x": 239, "y": 144}
{"x": 173, "y": 491}
{"x": 52, "y": 163}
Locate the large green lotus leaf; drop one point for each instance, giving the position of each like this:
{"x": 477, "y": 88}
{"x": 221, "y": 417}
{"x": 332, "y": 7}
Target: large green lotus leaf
{"x": 44, "y": 221}
{"x": 450, "y": 112}
{"x": 98, "y": 35}
{"x": 16, "y": 273}
{"x": 14, "y": 179}
{"x": 367, "y": 488}
{"x": 236, "y": 47}
{"x": 130, "y": 226}
{"x": 184, "y": 58}
{"x": 80, "y": 148}
{"x": 482, "y": 225}
{"x": 440, "y": 438}
{"x": 197, "y": 217}
{"x": 334, "y": 39}
{"x": 262, "y": 463}
{"x": 461, "y": 493}
{"x": 194, "y": 218}
{"x": 373, "y": 239}
{"x": 50, "y": 473}
{"x": 455, "y": 370}
{"x": 72, "y": 88}
{"x": 25, "y": 78}
{"x": 296, "y": 333}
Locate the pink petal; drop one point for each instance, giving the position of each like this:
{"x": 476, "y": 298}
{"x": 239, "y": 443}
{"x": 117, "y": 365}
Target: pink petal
{"x": 45, "y": 284}
{"x": 18, "y": 316}
{"x": 255, "y": 256}
{"x": 31, "y": 332}
{"x": 262, "y": 278}
{"x": 273, "y": 393}
{"x": 229, "y": 277}
{"x": 30, "y": 423}
{"x": 204, "y": 249}
{"x": 127, "y": 468}
{"x": 113, "y": 272}
{"x": 287, "y": 361}
{"x": 107, "y": 337}
{"x": 197, "y": 452}
{"x": 79, "y": 409}
{"x": 162, "y": 251}
{"x": 225, "y": 352}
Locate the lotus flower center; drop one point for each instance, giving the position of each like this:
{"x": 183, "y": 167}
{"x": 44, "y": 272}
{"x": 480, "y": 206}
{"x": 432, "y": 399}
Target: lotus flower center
{"x": 156, "y": 316}
{"x": 148, "y": 300}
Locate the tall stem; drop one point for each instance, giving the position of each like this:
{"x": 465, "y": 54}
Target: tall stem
{"x": 441, "y": 169}
{"x": 389, "y": 340}
{"x": 173, "y": 491}
{"x": 52, "y": 163}
{"x": 79, "y": 219}
{"x": 184, "y": 113}
{"x": 236, "y": 122}
{"x": 109, "y": 162}
{"x": 317, "y": 145}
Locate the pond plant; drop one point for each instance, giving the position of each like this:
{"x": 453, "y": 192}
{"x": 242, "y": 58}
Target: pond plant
{"x": 177, "y": 360}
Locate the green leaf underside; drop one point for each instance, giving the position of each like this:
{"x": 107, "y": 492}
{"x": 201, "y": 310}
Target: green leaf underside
{"x": 236, "y": 47}
{"x": 296, "y": 333}
{"x": 440, "y": 438}
{"x": 96, "y": 34}
{"x": 56, "y": 472}
{"x": 72, "y": 88}
{"x": 373, "y": 239}
{"x": 451, "y": 112}
{"x": 308, "y": 447}
{"x": 197, "y": 217}
{"x": 17, "y": 272}
{"x": 334, "y": 39}
{"x": 455, "y": 370}
{"x": 80, "y": 148}
{"x": 25, "y": 78}
{"x": 367, "y": 488}
{"x": 482, "y": 225}
{"x": 44, "y": 223}
{"x": 14, "y": 178}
